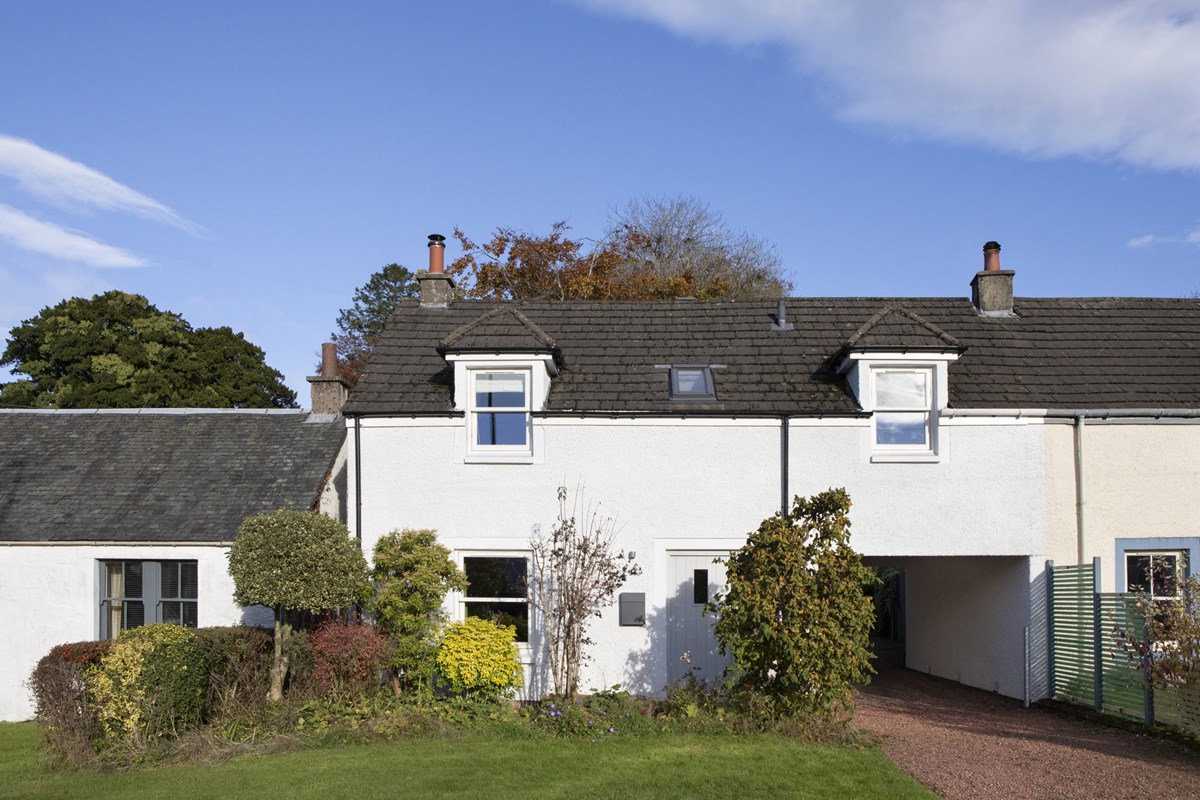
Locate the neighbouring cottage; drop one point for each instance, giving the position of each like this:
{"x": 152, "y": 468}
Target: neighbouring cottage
{"x": 978, "y": 438}
{"x": 117, "y": 518}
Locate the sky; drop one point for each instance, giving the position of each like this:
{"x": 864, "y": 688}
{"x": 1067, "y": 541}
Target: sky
{"x": 251, "y": 164}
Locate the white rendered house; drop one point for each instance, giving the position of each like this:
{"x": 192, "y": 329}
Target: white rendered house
{"x": 949, "y": 422}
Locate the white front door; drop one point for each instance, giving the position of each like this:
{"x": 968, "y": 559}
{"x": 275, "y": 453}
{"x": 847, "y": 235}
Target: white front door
{"x": 694, "y": 579}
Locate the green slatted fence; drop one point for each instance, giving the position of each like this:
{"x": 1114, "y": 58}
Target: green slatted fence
{"x": 1087, "y": 664}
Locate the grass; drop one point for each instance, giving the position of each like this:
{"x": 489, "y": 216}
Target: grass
{"x": 667, "y": 766}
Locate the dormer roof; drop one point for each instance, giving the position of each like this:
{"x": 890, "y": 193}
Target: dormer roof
{"x": 896, "y": 329}
{"x": 501, "y": 330}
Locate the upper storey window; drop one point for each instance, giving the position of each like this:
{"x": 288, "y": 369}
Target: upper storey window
{"x": 903, "y": 408}
{"x": 500, "y": 411}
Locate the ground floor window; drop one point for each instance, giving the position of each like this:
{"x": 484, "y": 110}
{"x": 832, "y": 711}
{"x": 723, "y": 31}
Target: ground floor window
{"x": 498, "y": 589}
{"x": 1158, "y": 574}
{"x": 136, "y": 593}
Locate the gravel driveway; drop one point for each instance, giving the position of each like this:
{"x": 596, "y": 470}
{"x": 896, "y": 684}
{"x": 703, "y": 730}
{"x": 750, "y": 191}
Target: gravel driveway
{"x": 967, "y": 743}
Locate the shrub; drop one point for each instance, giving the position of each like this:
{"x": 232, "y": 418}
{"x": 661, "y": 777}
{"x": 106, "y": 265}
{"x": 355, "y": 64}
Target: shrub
{"x": 238, "y": 663}
{"x": 349, "y": 657}
{"x": 796, "y": 618}
{"x": 609, "y": 713}
{"x": 412, "y": 575}
{"x": 64, "y": 711}
{"x": 478, "y": 658}
{"x": 150, "y": 684}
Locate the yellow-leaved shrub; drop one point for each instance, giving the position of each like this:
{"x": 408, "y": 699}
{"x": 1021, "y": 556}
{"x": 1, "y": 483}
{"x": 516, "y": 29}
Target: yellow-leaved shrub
{"x": 479, "y": 658}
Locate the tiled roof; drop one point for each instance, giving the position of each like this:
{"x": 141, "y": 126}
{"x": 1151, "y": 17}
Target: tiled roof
{"x": 1054, "y": 353}
{"x": 149, "y": 475}
{"x": 503, "y": 329}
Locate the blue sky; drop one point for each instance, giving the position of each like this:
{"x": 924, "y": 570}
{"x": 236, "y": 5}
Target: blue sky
{"x": 250, "y": 164}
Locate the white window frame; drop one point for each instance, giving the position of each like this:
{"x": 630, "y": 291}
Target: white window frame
{"x": 881, "y": 411}
{"x": 459, "y": 600}
{"x": 1180, "y": 557}
{"x": 861, "y": 370}
{"x": 537, "y": 369}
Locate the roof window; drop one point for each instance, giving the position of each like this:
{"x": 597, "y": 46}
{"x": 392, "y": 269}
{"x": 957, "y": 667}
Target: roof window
{"x": 692, "y": 382}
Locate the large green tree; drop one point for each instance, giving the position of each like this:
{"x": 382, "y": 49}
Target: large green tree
{"x": 117, "y": 350}
{"x": 796, "y": 617}
{"x": 360, "y": 325}
{"x": 295, "y": 561}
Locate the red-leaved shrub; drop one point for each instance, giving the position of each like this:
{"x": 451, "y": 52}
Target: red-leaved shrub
{"x": 349, "y": 657}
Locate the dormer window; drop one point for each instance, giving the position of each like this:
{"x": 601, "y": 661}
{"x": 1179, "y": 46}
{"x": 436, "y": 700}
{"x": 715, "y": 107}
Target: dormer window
{"x": 499, "y": 411}
{"x": 692, "y": 382}
{"x": 903, "y": 404}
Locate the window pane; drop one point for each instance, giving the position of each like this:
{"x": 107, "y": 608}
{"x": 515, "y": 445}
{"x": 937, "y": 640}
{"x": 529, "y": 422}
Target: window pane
{"x": 510, "y": 429}
{"x": 189, "y": 615}
{"x": 500, "y": 391}
{"x": 515, "y": 614}
{"x": 691, "y": 381}
{"x": 490, "y": 576}
{"x": 133, "y": 579}
{"x": 170, "y": 580}
{"x": 188, "y": 582}
{"x": 894, "y": 389}
{"x": 115, "y": 578}
{"x": 1164, "y": 571}
{"x": 171, "y": 612}
{"x": 1137, "y": 573}
{"x": 135, "y": 615}
{"x": 901, "y": 428}
{"x": 699, "y": 586}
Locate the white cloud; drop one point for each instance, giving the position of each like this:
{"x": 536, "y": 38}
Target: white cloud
{"x": 1094, "y": 78}
{"x": 49, "y": 239}
{"x": 56, "y": 178}
{"x": 1191, "y": 237}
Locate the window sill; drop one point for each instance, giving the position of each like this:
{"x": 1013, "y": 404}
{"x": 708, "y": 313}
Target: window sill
{"x": 499, "y": 458}
{"x": 905, "y": 458}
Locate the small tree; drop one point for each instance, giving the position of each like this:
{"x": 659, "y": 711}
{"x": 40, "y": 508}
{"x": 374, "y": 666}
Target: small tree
{"x": 294, "y": 561}
{"x": 576, "y": 571}
{"x": 1168, "y": 636}
{"x": 796, "y": 618}
{"x": 412, "y": 575}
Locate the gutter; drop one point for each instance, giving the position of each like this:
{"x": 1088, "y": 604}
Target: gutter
{"x": 1075, "y": 413}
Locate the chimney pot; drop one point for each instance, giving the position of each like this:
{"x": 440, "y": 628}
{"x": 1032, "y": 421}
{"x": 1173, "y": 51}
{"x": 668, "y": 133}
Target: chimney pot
{"x": 437, "y": 254}
{"x": 991, "y": 256}
{"x": 329, "y": 368}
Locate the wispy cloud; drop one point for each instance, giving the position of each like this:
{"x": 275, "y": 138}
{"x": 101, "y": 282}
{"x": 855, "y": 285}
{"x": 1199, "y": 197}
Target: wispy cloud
{"x": 57, "y": 178}
{"x": 1191, "y": 237}
{"x": 46, "y": 238}
{"x": 1110, "y": 79}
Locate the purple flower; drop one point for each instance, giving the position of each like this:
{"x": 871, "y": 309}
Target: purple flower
{"x": 612, "y": 730}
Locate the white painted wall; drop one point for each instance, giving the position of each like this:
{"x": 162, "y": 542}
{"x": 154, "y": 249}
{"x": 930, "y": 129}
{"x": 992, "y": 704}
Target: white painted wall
{"x": 1140, "y": 481}
{"x": 51, "y": 597}
{"x": 687, "y": 485}
{"x": 965, "y": 620}
{"x": 985, "y": 496}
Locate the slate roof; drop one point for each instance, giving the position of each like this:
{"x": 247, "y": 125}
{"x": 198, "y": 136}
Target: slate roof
{"x": 1055, "y": 353}
{"x": 151, "y": 475}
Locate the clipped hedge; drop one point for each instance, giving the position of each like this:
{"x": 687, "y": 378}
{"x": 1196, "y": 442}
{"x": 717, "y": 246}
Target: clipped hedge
{"x": 150, "y": 684}
{"x": 238, "y": 662}
{"x": 478, "y": 658}
{"x": 64, "y": 710}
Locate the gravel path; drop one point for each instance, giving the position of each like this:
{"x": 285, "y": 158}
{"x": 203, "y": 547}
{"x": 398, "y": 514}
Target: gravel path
{"x": 967, "y": 743}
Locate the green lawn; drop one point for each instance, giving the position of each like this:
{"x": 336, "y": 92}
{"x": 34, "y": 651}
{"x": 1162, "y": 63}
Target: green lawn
{"x": 668, "y": 766}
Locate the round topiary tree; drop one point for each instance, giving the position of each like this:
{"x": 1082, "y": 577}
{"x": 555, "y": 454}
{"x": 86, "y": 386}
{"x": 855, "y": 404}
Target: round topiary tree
{"x": 295, "y": 561}
{"x": 412, "y": 575}
{"x": 796, "y": 618}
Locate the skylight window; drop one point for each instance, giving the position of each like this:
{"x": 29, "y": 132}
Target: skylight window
{"x": 692, "y": 382}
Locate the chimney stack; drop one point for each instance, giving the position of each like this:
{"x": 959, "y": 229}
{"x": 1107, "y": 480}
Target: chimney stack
{"x": 437, "y": 288}
{"x": 992, "y": 288}
{"x": 329, "y": 389}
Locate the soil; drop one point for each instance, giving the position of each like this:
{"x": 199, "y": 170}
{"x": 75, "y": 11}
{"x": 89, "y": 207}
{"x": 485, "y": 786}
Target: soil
{"x": 968, "y": 743}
